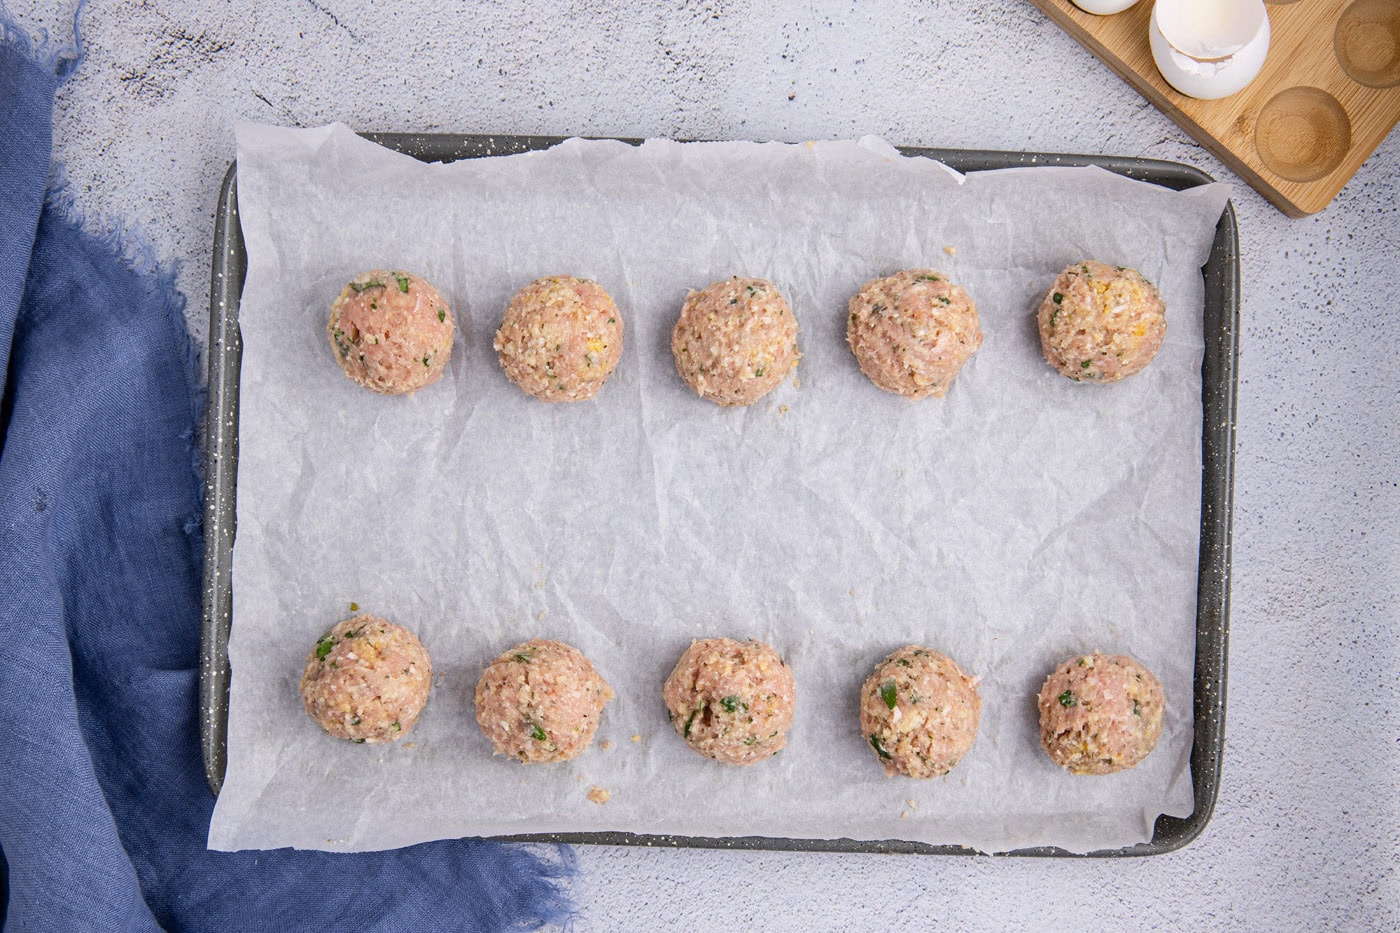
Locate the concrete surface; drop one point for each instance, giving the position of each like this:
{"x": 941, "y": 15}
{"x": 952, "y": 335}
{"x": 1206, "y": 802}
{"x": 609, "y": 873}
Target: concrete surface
{"x": 1307, "y": 831}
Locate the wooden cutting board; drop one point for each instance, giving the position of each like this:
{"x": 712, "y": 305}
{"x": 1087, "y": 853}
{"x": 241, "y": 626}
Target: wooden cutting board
{"x": 1328, "y": 94}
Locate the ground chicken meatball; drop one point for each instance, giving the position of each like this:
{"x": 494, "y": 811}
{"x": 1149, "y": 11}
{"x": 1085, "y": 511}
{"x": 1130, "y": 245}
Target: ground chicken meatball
{"x": 912, "y": 332}
{"x": 731, "y": 701}
{"x": 919, "y": 712}
{"x": 541, "y": 702}
{"x": 1100, "y": 713}
{"x": 560, "y": 338}
{"x": 735, "y": 340}
{"x": 366, "y": 680}
{"x": 1101, "y": 323}
{"x": 391, "y": 332}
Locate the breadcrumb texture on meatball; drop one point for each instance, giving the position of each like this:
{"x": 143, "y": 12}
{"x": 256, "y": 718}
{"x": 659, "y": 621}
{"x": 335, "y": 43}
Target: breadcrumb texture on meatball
{"x": 919, "y": 712}
{"x": 391, "y": 331}
{"x": 731, "y": 701}
{"x": 912, "y": 332}
{"x": 560, "y": 338}
{"x": 366, "y": 680}
{"x": 1100, "y": 713}
{"x": 735, "y": 340}
{"x": 1101, "y": 323}
{"x": 541, "y": 702}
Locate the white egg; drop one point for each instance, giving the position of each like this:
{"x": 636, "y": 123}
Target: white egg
{"x": 1103, "y": 7}
{"x": 1209, "y": 49}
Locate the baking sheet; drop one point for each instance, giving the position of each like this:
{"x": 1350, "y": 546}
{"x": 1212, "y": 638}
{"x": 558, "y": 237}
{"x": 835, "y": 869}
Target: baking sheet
{"x": 936, "y": 550}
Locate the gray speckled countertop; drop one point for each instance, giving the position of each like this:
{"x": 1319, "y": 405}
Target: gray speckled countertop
{"x": 1306, "y": 833}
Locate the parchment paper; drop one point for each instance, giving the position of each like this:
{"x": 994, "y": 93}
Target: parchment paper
{"x": 1020, "y": 520}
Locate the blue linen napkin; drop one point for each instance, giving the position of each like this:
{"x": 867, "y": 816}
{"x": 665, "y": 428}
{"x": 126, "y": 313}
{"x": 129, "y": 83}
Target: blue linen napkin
{"x": 104, "y": 810}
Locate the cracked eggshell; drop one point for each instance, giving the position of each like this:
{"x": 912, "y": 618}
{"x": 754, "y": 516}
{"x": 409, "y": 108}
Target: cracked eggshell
{"x": 1209, "y": 49}
{"x": 1103, "y": 7}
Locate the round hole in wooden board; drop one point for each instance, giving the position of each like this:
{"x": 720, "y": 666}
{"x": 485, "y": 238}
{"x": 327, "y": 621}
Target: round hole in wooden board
{"x": 1302, "y": 134}
{"x": 1367, "y": 42}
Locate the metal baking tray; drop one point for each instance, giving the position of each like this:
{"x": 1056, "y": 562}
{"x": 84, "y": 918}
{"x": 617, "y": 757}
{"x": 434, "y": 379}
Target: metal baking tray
{"x": 1218, "y": 382}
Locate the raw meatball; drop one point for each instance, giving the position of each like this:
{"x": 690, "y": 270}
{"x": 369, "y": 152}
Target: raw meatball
{"x": 1100, "y": 714}
{"x": 919, "y": 712}
{"x": 735, "y": 340}
{"x": 391, "y": 332}
{"x": 560, "y": 338}
{"x": 731, "y": 701}
{"x": 366, "y": 680}
{"x": 541, "y": 701}
{"x": 912, "y": 331}
{"x": 1101, "y": 323}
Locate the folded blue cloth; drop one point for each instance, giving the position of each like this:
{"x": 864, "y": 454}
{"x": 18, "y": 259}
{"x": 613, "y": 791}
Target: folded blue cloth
{"x": 103, "y": 805}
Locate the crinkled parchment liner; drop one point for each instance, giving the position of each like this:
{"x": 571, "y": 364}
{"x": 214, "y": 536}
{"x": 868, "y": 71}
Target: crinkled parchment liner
{"x": 1020, "y": 520}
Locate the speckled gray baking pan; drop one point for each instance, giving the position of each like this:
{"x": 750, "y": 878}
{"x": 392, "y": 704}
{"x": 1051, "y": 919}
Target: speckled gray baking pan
{"x": 1218, "y": 378}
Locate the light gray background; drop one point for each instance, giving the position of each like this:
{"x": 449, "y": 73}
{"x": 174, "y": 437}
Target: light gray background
{"x": 1307, "y": 830}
